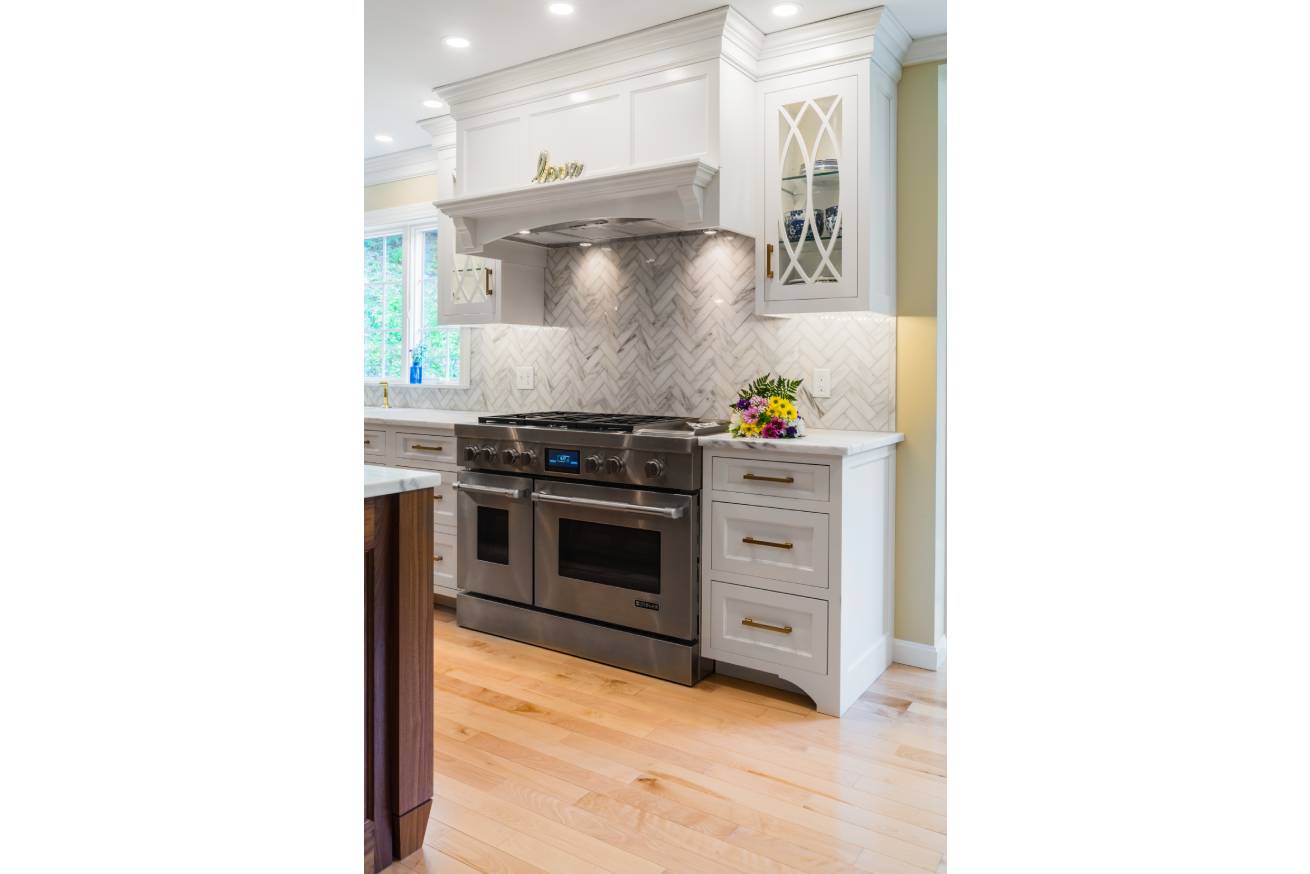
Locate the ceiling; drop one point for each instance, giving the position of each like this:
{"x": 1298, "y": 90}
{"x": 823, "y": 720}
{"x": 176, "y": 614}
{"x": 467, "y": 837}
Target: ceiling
{"x": 404, "y": 57}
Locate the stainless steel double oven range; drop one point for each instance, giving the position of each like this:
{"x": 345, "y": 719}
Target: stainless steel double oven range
{"x": 581, "y": 532}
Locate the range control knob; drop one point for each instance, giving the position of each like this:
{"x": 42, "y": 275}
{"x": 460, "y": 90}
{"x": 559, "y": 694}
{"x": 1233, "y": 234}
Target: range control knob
{"x": 593, "y": 463}
{"x": 486, "y": 453}
{"x": 527, "y": 457}
{"x": 470, "y": 453}
{"x": 510, "y": 456}
{"x": 654, "y": 468}
{"x": 614, "y": 464}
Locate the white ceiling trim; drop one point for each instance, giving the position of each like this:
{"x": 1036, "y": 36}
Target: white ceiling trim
{"x": 406, "y": 164}
{"x": 629, "y": 50}
{"x": 929, "y": 48}
{"x": 377, "y": 219}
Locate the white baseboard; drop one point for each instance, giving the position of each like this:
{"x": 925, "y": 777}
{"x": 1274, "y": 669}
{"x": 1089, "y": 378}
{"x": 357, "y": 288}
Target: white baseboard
{"x": 920, "y": 655}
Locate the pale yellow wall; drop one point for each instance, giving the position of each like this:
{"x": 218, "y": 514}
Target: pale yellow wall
{"x": 916, "y": 350}
{"x": 402, "y": 192}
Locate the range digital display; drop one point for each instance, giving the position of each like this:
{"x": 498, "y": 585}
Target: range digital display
{"x": 564, "y": 460}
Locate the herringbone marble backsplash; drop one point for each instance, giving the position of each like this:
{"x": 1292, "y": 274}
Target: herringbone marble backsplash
{"x": 669, "y": 325}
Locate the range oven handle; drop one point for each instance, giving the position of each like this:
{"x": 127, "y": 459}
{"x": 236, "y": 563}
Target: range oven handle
{"x": 666, "y": 512}
{"x": 489, "y": 490}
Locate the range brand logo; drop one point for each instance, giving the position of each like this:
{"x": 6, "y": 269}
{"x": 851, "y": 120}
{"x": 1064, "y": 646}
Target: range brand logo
{"x": 547, "y": 173}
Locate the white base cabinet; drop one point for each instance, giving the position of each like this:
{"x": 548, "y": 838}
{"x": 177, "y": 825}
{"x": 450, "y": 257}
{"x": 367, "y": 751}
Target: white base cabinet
{"x": 425, "y": 448}
{"x": 796, "y": 567}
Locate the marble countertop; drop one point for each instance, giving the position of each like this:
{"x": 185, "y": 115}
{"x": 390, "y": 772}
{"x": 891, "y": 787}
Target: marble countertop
{"x": 419, "y": 418}
{"x": 815, "y": 442}
{"x": 379, "y": 480}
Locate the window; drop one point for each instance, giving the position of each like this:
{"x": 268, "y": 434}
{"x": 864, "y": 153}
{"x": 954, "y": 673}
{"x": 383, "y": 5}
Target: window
{"x": 400, "y": 309}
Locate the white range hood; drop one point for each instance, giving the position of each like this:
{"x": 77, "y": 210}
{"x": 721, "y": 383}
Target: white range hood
{"x": 662, "y": 123}
{"x": 642, "y": 201}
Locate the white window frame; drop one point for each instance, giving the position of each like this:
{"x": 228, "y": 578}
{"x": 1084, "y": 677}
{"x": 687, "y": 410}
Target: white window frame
{"x": 412, "y": 223}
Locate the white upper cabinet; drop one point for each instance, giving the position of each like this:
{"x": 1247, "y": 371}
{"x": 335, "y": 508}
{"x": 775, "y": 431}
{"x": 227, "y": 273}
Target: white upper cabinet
{"x": 503, "y": 284}
{"x": 812, "y": 167}
{"x": 828, "y": 238}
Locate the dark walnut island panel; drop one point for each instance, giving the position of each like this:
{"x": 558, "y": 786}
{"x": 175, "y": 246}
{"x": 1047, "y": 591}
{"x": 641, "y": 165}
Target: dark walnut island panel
{"x": 397, "y": 662}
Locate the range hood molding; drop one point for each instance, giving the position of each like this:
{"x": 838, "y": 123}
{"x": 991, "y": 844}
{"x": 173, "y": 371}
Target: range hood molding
{"x": 673, "y": 193}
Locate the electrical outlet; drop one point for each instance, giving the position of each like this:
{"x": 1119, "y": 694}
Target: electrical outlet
{"x": 822, "y": 386}
{"x": 523, "y": 378}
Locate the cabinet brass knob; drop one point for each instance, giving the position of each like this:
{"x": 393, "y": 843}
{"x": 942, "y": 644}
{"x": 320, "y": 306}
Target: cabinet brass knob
{"x": 769, "y": 479}
{"x": 783, "y": 629}
{"x": 753, "y": 542}
{"x": 437, "y": 558}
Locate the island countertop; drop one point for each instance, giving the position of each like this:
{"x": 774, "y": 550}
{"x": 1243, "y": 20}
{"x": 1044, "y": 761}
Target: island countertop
{"x": 815, "y": 442}
{"x": 379, "y": 480}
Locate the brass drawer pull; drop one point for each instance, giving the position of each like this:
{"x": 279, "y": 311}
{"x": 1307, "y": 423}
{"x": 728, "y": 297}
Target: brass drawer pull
{"x": 785, "y": 629}
{"x": 437, "y": 497}
{"x": 489, "y": 291}
{"x": 753, "y": 542}
{"x": 425, "y": 447}
{"x": 769, "y": 479}
{"x": 768, "y": 260}
{"x": 437, "y": 558}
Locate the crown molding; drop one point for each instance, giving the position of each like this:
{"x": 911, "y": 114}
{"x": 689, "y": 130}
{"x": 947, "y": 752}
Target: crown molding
{"x": 442, "y": 129}
{"x": 399, "y": 215}
{"x": 405, "y": 164}
{"x": 674, "y": 43}
{"x": 926, "y": 49}
{"x": 742, "y": 43}
{"x": 871, "y": 34}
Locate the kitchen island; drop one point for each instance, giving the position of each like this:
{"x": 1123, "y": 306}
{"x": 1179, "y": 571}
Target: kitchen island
{"x": 397, "y": 661}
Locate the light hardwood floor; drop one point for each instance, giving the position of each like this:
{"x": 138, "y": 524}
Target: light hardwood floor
{"x": 545, "y": 762}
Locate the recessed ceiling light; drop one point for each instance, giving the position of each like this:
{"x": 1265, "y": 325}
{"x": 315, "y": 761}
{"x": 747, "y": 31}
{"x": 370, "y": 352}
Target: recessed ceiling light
{"x": 433, "y": 104}
{"x": 584, "y": 245}
{"x": 709, "y": 232}
{"x": 786, "y": 10}
{"x": 383, "y": 138}
{"x": 456, "y": 42}
{"x": 561, "y": 8}
{"x": 525, "y": 231}
{"x": 579, "y": 96}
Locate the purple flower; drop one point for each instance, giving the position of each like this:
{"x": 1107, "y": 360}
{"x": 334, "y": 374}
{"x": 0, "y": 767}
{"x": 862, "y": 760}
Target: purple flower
{"x": 773, "y": 429}
{"x": 743, "y": 403}
{"x": 791, "y": 430}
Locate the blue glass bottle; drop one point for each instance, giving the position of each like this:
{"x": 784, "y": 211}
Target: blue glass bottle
{"x": 416, "y": 374}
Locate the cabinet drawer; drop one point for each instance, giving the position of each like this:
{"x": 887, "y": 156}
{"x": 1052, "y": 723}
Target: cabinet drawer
{"x": 776, "y": 479}
{"x": 375, "y": 442}
{"x": 444, "y": 502}
{"x": 425, "y": 449}
{"x": 444, "y": 560}
{"x": 770, "y": 543}
{"x": 769, "y": 626}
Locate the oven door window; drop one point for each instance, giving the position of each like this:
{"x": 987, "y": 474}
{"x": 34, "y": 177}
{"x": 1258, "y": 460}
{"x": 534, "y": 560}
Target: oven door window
{"x": 493, "y": 535}
{"x": 611, "y": 555}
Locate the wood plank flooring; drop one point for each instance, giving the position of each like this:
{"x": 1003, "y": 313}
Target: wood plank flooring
{"x": 545, "y": 762}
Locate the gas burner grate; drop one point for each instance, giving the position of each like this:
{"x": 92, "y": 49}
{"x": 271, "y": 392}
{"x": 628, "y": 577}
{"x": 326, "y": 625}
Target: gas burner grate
{"x": 618, "y": 422}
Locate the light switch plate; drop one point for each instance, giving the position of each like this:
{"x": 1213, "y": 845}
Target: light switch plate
{"x": 523, "y": 378}
{"x": 822, "y": 386}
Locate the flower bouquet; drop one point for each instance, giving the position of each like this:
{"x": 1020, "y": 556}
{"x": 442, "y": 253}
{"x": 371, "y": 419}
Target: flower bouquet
{"x": 767, "y": 408}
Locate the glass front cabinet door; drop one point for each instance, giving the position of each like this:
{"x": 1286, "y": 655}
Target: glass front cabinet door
{"x": 470, "y": 288}
{"x": 811, "y": 183}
